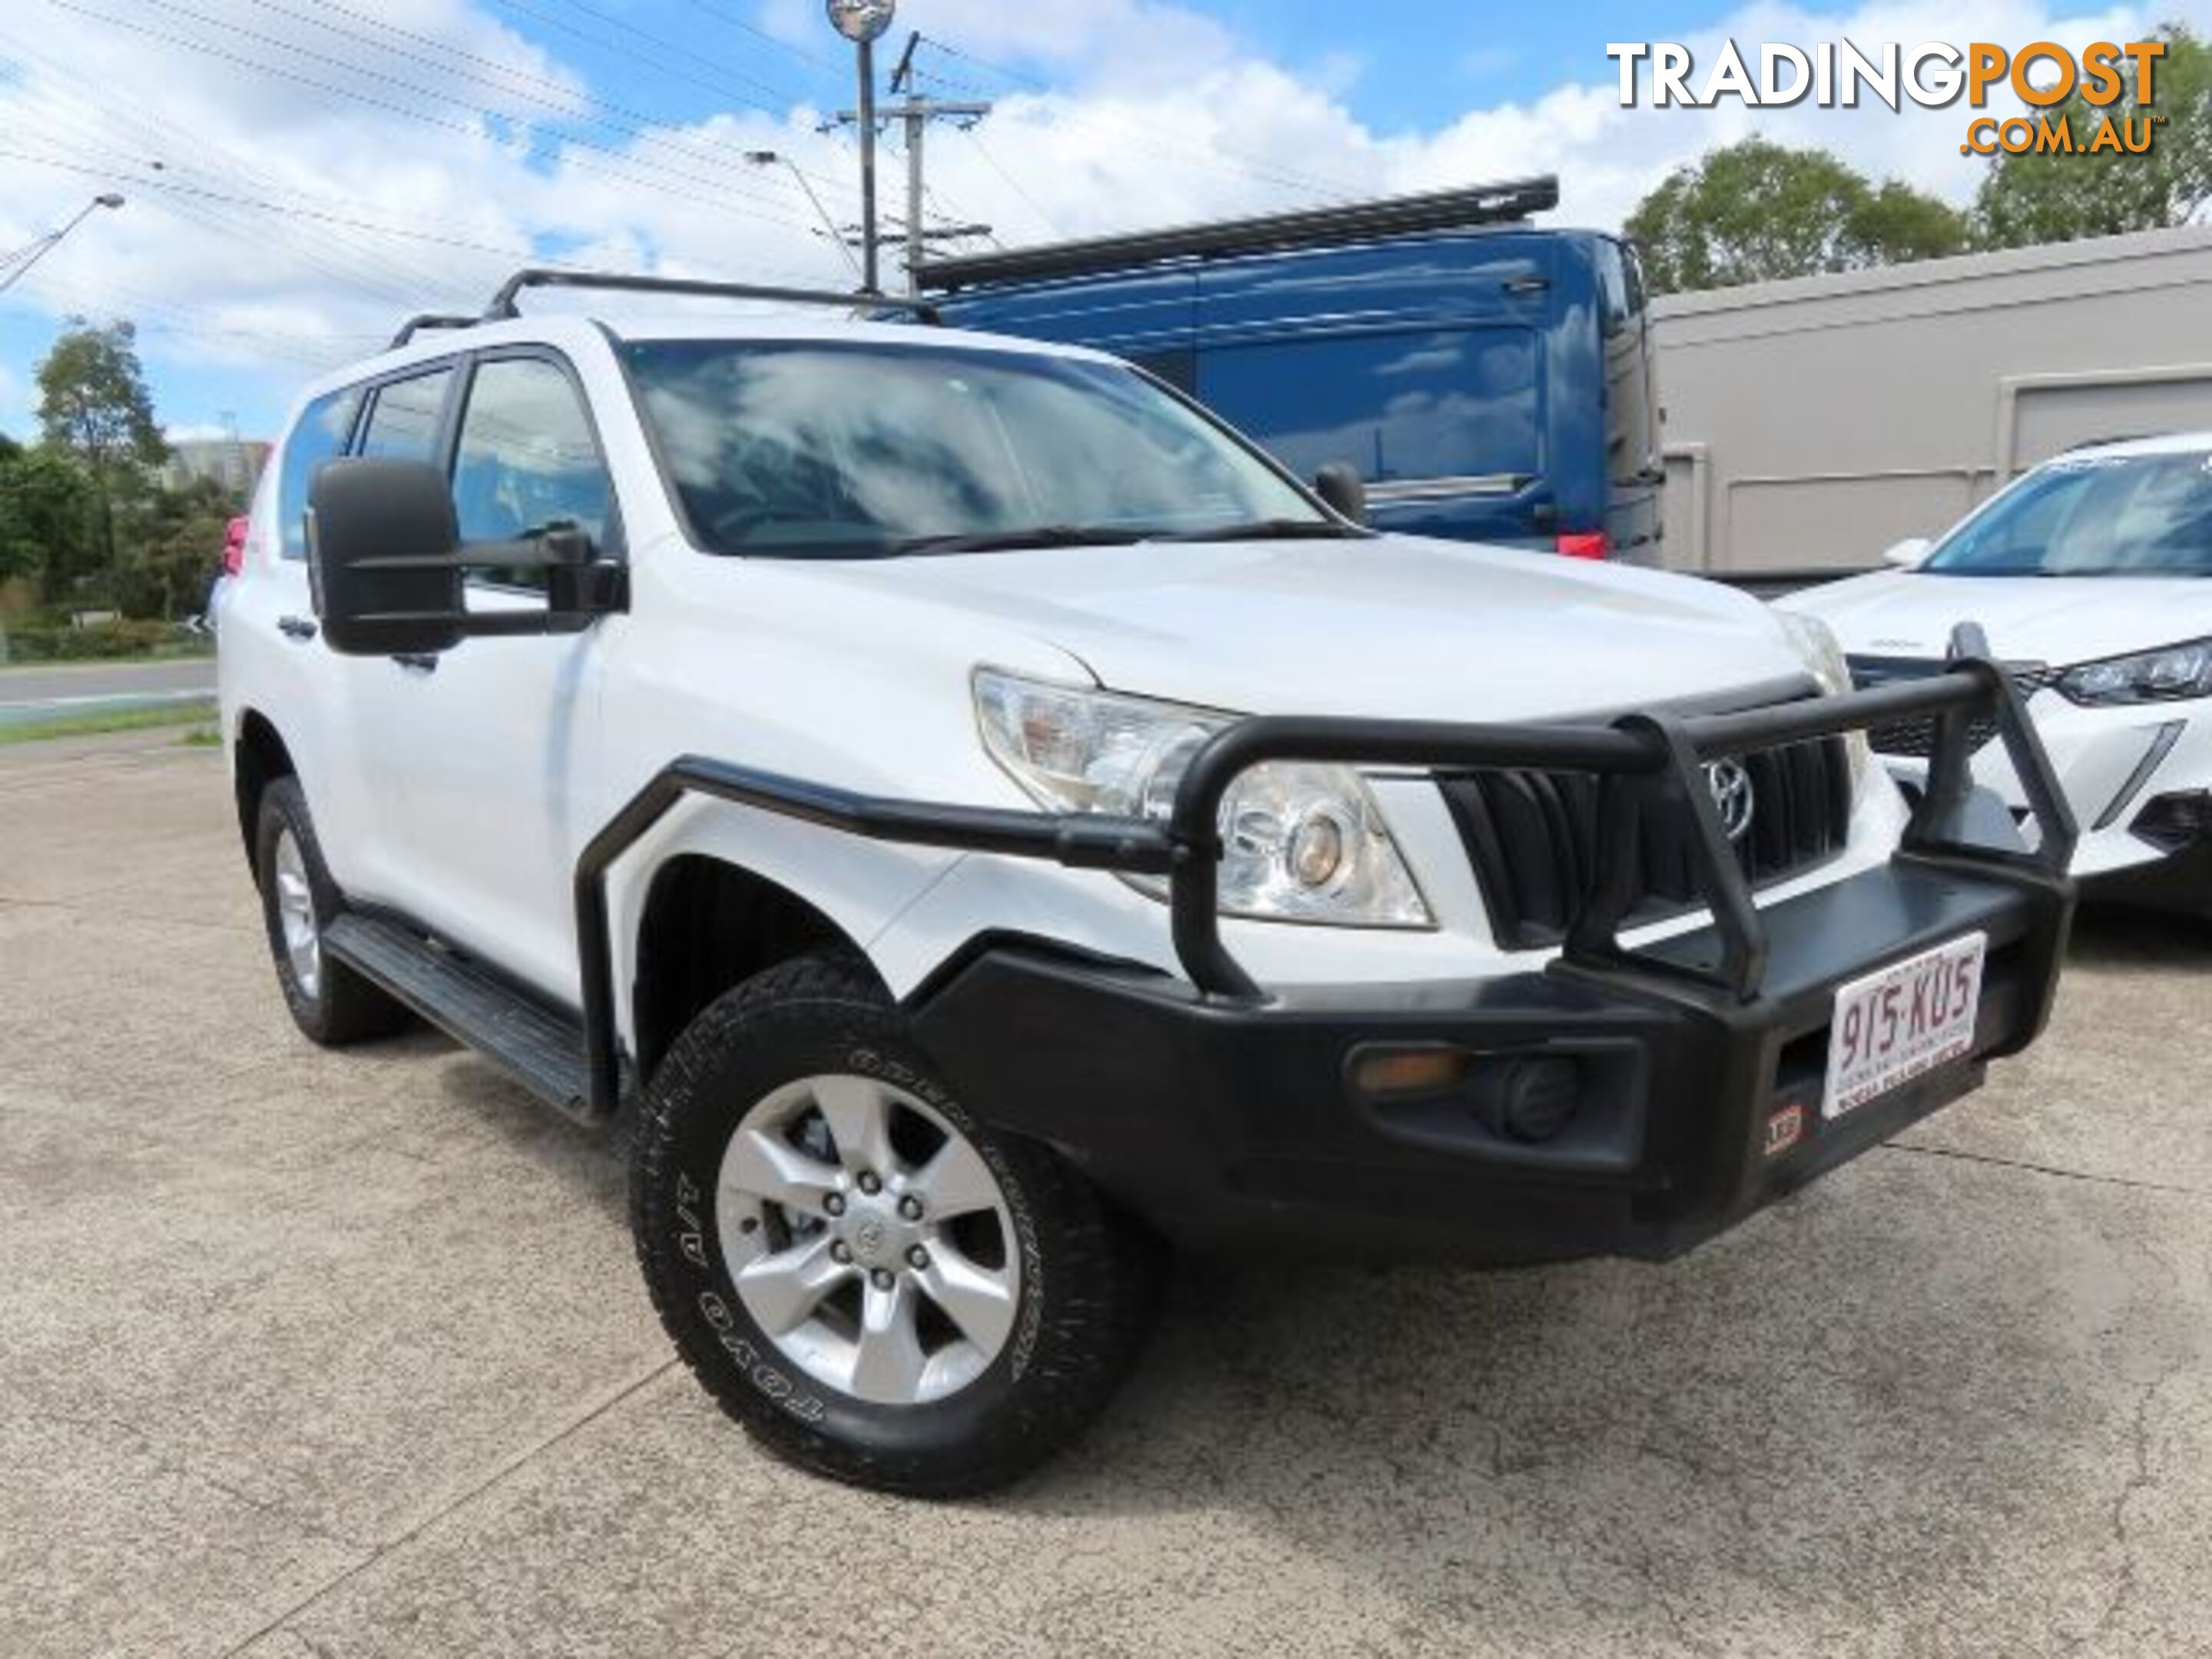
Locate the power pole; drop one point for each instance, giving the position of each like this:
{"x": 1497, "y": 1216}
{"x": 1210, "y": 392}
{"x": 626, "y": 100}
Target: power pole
{"x": 917, "y": 113}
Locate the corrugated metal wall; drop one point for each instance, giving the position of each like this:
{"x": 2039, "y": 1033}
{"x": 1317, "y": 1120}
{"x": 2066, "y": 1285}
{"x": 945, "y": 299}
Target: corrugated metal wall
{"x": 1812, "y": 423}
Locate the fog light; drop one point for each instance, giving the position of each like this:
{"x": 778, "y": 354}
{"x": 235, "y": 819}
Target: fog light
{"x": 1528, "y": 1098}
{"x": 1376, "y": 1072}
{"x": 2174, "y": 822}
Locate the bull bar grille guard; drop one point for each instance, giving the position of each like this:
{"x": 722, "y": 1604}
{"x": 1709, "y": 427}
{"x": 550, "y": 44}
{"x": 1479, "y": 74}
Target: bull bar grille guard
{"x": 1644, "y": 761}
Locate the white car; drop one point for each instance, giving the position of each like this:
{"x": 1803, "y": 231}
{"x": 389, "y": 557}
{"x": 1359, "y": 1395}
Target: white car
{"x": 2091, "y": 575}
{"x": 989, "y": 819}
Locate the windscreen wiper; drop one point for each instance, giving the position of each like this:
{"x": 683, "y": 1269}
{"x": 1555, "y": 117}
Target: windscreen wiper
{"x": 1269, "y": 530}
{"x": 1038, "y": 535}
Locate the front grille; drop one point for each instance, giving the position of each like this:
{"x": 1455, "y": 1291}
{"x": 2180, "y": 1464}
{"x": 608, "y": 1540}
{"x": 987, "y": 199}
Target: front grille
{"x": 1915, "y": 739}
{"x": 1533, "y": 837}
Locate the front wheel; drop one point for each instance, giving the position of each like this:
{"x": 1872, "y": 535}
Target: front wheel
{"x": 876, "y": 1285}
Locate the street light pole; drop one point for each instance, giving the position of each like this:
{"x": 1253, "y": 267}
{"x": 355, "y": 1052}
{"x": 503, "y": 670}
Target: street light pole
{"x": 767, "y": 158}
{"x": 862, "y": 22}
{"x": 27, "y": 256}
{"x": 869, "y": 255}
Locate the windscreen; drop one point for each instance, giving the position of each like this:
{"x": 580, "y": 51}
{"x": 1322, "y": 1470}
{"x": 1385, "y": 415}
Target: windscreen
{"x": 813, "y": 450}
{"x": 2092, "y": 515}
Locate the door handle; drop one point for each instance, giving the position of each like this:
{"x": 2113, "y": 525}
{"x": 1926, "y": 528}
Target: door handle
{"x": 295, "y": 627}
{"x": 417, "y": 662}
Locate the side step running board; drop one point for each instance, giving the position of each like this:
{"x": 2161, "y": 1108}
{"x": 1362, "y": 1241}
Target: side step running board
{"x": 541, "y": 1047}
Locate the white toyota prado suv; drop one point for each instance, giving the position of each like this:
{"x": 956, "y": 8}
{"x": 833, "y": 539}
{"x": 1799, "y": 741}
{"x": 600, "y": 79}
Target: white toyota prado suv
{"x": 992, "y": 822}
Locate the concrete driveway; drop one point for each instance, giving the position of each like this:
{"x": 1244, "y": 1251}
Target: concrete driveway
{"x": 318, "y": 1354}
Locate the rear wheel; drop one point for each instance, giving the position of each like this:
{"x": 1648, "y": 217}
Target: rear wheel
{"x": 330, "y": 1002}
{"x": 877, "y": 1285}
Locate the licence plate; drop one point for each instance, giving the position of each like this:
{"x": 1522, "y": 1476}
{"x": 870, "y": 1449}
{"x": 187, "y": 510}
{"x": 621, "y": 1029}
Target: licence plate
{"x": 1903, "y": 1022}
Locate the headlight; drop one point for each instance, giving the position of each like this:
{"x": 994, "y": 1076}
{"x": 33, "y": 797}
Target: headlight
{"x": 2166, "y": 675}
{"x": 1300, "y": 842}
{"x": 1815, "y": 644}
{"x": 1817, "y": 648}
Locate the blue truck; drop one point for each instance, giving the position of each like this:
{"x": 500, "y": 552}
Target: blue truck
{"x": 1488, "y": 378}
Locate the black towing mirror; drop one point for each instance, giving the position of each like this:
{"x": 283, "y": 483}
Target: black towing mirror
{"x": 385, "y": 560}
{"x": 1338, "y": 483}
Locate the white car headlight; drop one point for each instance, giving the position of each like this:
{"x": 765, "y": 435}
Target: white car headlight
{"x": 1818, "y": 648}
{"x": 2170, "y": 674}
{"x": 1815, "y": 643}
{"x": 1300, "y": 842}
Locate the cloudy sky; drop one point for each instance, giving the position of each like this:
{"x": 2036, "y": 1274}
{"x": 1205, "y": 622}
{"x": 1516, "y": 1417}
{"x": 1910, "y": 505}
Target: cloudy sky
{"x": 301, "y": 173}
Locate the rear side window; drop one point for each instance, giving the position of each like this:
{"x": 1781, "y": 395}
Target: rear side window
{"x": 403, "y": 422}
{"x": 1435, "y": 403}
{"x": 324, "y": 427}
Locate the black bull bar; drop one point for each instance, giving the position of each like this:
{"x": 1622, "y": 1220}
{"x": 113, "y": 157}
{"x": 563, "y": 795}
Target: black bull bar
{"x": 1645, "y": 760}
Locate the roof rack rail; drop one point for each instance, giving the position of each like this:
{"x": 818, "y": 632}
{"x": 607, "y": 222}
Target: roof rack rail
{"x": 502, "y": 303}
{"x": 1400, "y": 215}
{"x": 422, "y": 320}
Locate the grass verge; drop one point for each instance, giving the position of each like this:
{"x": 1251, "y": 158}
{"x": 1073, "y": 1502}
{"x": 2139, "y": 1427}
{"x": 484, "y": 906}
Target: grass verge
{"x": 194, "y": 713}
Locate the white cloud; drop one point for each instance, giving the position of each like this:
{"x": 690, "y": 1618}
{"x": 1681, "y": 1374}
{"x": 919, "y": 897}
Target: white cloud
{"x": 291, "y": 222}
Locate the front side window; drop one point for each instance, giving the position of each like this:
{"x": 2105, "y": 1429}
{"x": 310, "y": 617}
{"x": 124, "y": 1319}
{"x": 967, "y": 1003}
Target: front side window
{"x": 2092, "y": 515}
{"x": 403, "y": 422}
{"x": 324, "y": 428}
{"x": 527, "y": 460}
{"x": 1436, "y": 403}
{"x": 810, "y": 449}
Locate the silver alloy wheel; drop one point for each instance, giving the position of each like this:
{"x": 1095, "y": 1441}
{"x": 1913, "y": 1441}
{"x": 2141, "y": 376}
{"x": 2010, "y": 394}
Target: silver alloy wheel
{"x": 869, "y": 1240}
{"x": 295, "y": 914}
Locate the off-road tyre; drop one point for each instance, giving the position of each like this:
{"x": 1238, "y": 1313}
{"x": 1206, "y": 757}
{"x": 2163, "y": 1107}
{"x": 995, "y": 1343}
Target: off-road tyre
{"x": 1088, "y": 1283}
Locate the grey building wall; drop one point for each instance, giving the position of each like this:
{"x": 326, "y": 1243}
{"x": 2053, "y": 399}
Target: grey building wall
{"x": 1812, "y": 423}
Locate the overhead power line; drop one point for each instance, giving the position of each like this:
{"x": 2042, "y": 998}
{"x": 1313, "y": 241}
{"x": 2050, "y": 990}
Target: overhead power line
{"x": 567, "y": 101}
{"x": 1214, "y": 156}
{"x": 352, "y": 262}
{"x": 914, "y": 114}
{"x": 351, "y": 67}
{"x": 627, "y": 34}
{"x": 622, "y": 174}
{"x": 155, "y": 182}
{"x": 1011, "y": 183}
{"x": 833, "y": 71}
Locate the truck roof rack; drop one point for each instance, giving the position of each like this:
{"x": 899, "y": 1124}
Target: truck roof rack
{"x": 502, "y": 303}
{"x": 422, "y": 320}
{"x": 503, "y": 306}
{"x": 1458, "y": 208}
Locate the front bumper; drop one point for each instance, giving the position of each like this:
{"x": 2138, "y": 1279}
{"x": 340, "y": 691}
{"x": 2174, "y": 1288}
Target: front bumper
{"x": 2118, "y": 768}
{"x": 1236, "y": 1127}
{"x": 1219, "y": 1109}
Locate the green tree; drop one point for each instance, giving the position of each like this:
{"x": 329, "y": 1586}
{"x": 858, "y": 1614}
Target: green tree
{"x": 44, "y": 499}
{"x": 170, "y": 554}
{"x": 93, "y": 403}
{"x": 1757, "y": 210}
{"x": 2057, "y": 196}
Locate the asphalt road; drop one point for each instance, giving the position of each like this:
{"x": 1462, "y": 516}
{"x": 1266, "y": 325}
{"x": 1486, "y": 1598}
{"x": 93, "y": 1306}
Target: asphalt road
{"x": 345, "y": 1355}
{"x": 49, "y": 691}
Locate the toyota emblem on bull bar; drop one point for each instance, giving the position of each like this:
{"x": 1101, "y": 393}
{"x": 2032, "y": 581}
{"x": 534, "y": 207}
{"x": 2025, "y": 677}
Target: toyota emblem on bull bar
{"x": 1732, "y": 796}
